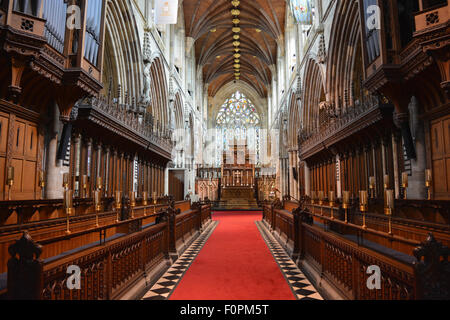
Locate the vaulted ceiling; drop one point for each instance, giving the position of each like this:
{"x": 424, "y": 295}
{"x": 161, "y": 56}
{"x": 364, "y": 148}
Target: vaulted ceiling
{"x": 236, "y": 40}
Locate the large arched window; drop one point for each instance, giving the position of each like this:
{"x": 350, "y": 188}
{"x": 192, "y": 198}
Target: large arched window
{"x": 238, "y": 120}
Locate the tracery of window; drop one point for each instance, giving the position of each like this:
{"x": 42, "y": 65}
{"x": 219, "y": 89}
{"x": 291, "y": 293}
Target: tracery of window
{"x": 238, "y": 120}
{"x": 238, "y": 112}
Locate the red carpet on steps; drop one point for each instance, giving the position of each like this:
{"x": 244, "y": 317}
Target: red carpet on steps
{"x": 234, "y": 264}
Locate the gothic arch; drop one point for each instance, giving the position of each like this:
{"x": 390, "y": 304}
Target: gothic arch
{"x": 294, "y": 119}
{"x": 344, "y": 68}
{"x": 178, "y": 108}
{"x": 158, "y": 91}
{"x": 122, "y": 51}
{"x": 313, "y": 95}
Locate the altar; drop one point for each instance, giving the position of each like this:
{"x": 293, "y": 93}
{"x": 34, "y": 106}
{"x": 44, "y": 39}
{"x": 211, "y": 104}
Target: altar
{"x": 238, "y": 178}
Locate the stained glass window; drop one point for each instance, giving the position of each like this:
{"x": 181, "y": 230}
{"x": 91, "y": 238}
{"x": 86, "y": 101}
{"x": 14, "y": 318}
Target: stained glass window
{"x": 237, "y": 119}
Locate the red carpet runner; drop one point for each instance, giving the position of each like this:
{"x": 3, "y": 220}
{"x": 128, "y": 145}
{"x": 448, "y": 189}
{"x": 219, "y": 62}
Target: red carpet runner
{"x": 235, "y": 264}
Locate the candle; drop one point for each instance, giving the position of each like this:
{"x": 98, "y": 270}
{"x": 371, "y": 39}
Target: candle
{"x": 389, "y": 199}
{"x": 97, "y": 197}
{"x": 428, "y": 177}
{"x": 99, "y": 183}
{"x": 331, "y": 196}
{"x": 41, "y": 179}
{"x": 363, "y": 196}
{"x": 10, "y": 176}
{"x": 133, "y": 198}
{"x": 144, "y": 198}
{"x": 321, "y": 195}
{"x": 97, "y": 200}
{"x": 386, "y": 181}
{"x": 405, "y": 180}
{"x": 68, "y": 198}
{"x": 66, "y": 180}
{"x": 346, "y": 198}
{"x": 372, "y": 182}
{"x": 84, "y": 181}
{"x": 118, "y": 197}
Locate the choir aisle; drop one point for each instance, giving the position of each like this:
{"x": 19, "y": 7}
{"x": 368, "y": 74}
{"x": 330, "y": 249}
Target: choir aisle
{"x": 235, "y": 260}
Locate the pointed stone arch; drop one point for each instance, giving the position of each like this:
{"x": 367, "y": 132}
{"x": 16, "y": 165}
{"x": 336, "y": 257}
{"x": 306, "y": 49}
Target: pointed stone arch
{"x": 294, "y": 119}
{"x": 313, "y": 94}
{"x": 345, "y": 56}
{"x": 122, "y": 51}
{"x": 159, "y": 91}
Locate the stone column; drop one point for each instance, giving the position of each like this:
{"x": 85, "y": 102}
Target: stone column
{"x": 291, "y": 172}
{"x": 397, "y": 174}
{"x": 98, "y": 148}
{"x": 55, "y": 168}
{"x": 307, "y": 180}
{"x": 166, "y": 180}
{"x": 107, "y": 188}
{"x": 416, "y": 183}
{"x": 297, "y": 182}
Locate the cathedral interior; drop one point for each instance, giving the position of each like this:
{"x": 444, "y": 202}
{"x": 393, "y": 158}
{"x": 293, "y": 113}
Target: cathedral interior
{"x": 277, "y": 149}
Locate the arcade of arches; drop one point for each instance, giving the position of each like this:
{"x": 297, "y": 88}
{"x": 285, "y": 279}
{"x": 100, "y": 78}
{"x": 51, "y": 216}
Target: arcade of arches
{"x": 125, "y": 142}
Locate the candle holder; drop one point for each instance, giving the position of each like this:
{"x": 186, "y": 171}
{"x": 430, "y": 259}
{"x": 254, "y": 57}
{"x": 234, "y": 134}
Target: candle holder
{"x": 66, "y": 181}
{"x": 386, "y": 181}
{"x": 98, "y": 206}
{"x": 145, "y": 201}
{"x": 10, "y": 180}
{"x": 132, "y": 195}
{"x": 331, "y": 199}
{"x": 118, "y": 204}
{"x": 313, "y": 197}
{"x": 321, "y": 197}
{"x": 428, "y": 182}
{"x": 41, "y": 179}
{"x": 99, "y": 183}
{"x": 346, "y": 203}
{"x": 363, "y": 205}
{"x": 84, "y": 185}
{"x": 389, "y": 207}
{"x": 155, "y": 201}
{"x": 405, "y": 184}
{"x": 68, "y": 207}
{"x": 372, "y": 185}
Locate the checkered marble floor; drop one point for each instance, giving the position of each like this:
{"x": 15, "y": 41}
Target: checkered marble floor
{"x": 166, "y": 285}
{"x": 300, "y": 285}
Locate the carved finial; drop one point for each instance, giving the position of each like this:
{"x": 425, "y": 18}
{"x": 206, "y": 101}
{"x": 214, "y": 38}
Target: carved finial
{"x": 26, "y": 248}
{"x": 25, "y": 269}
{"x": 432, "y": 270}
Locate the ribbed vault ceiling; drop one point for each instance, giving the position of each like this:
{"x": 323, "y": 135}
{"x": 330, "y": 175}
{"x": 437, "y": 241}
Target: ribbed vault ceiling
{"x": 210, "y": 23}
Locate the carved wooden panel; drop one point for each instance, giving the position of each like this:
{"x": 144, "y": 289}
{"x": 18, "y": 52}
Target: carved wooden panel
{"x": 24, "y": 147}
{"x": 440, "y": 148}
{"x": 4, "y": 123}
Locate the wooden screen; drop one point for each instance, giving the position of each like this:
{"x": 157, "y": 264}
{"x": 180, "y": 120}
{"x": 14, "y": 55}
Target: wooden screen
{"x": 176, "y": 184}
{"x": 440, "y": 148}
{"x": 19, "y": 144}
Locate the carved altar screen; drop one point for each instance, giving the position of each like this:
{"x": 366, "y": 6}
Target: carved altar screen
{"x": 238, "y": 120}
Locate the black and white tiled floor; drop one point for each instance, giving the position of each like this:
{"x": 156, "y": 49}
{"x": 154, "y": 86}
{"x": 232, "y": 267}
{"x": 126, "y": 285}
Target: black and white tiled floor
{"x": 300, "y": 285}
{"x": 166, "y": 285}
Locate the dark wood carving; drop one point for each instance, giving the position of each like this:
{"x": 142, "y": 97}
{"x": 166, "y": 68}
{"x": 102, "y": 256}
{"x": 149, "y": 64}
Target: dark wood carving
{"x": 24, "y": 269}
{"x": 432, "y": 270}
